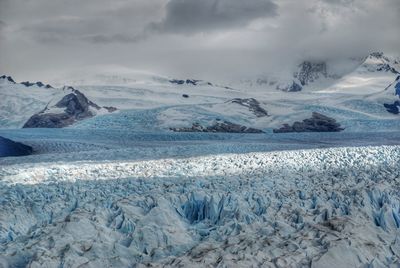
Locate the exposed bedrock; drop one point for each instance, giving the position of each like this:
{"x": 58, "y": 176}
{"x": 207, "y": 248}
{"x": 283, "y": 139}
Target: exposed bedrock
{"x": 71, "y": 108}
{"x": 218, "y": 126}
{"x": 253, "y": 105}
{"x": 317, "y": 123}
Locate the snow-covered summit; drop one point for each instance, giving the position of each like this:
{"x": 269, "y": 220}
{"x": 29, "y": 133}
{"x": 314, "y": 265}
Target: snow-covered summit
{"x": 4, "y": 80}
{"x": 310, "y": 71}
{"x": 72, "y": 107}
{"x": 379, "y": 62}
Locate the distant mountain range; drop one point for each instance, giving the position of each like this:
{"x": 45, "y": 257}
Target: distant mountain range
{"x": 363, "y": 94}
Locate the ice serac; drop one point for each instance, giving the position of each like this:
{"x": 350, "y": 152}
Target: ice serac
{"x": 71, "y": 108}
{"x": 12, "y": 148}
{"x": 317, "y": 123}
{"x": 218, "y": 126}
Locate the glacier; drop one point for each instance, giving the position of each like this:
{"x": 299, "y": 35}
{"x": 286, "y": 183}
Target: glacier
{"x": 122, "y": 190}
{"x": 310, "y": 207}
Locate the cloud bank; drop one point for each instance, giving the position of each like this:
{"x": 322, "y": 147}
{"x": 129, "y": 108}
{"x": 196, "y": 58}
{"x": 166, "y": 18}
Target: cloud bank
{"x": 208, "y": 38}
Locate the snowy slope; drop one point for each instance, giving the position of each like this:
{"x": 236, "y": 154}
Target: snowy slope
{"x": 374, "y": 74}
{"x": 18, "y": 102}
{"x": 355, "y": 99}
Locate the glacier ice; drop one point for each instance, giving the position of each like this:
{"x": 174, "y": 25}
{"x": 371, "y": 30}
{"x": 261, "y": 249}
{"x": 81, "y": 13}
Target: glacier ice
{"x": 280, "y": 209}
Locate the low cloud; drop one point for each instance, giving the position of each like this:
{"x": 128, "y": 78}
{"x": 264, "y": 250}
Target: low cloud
{"x": 192, "y": 16}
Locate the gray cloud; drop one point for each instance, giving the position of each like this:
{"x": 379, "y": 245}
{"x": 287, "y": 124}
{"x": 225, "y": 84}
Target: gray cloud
{"x": 339, "y": 2}
{"x": 113, "y": 38}
{"x": 199, "y": 38}
{"x": 191, "y": 16}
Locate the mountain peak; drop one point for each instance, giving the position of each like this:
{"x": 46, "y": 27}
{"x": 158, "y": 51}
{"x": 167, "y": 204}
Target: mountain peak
{"x": 309, "y": 71}
{"x": 380, "y": 56}
{"x": 39, "y": 84}
{"x": 379, "y": 62}
{"x": 8, "y": 79}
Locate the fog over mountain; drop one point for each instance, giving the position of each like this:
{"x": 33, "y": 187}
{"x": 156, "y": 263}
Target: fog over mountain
{"x": 204, "y": 39}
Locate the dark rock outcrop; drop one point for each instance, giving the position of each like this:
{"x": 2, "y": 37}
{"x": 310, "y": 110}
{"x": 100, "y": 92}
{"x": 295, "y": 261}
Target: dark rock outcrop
{"x": 76, "y": 104}
{"x": 218, "y": 126}
{"x": 310, "y": 71}
{"x": 386, "y": 68}
{"x": 253, "y": 105}
{"x": 384, "y": 64}
{"x": 177, "y": 81}
{"x": 76, "y": 107}
{"x": 27, "y": 83}
{"x": 12, "y": 148}
{"x": 193, "y": 82}
{"x": 378, "y": 55}
{"x": 397, "y": 86}
{"x": 110, "y": 109}
{"x": 317, "y": 123}
{"x": 7, "y": 78}
{"x": 49, "y": 120}
{"x": 293, "y": 87}
{"x": 393, "y": 108}
{"x": 39, "y": 84}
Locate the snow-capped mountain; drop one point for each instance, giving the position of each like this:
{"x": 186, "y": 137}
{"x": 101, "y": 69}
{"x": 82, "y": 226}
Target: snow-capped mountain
{"x": 71, "y": 108}
{"x": 355, "y": 99}
{"x": 4, "y": 80}
{"x": 311, "y": 75}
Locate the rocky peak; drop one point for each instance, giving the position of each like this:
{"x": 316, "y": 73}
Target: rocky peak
{"x": 75, "y": 103}
{"x": 317, "y": 123}
{"x": 7, "y": 79}
{"x": 39, "y": 84}
{"x": 310, "y": 71}
{"x": 379, "y": 56}
{"x": 379, "y": 62}
{"x": 252, "y": 104}
{"x": 76, "y": 106}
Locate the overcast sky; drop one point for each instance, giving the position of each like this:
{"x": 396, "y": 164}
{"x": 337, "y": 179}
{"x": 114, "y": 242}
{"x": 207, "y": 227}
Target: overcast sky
{"x": 197, "y": 38}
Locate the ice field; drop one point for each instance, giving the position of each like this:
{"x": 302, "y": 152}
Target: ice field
{"x": 122, "y": 189}
{"x": 311, "y": 207}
